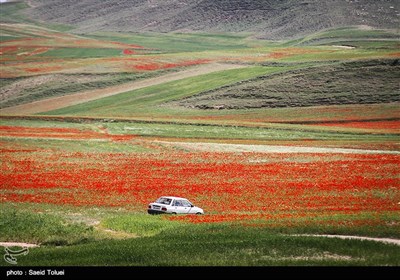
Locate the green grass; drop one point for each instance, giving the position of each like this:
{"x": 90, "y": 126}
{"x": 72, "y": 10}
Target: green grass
{"x": 81, "y": 52}
{"x": 83, "y": 146}
{"x": 66, "y": 239}
{"x": 9, "y": 12}
{"x": 218, "y": 245}
{"x": 274, "y": 132}
{"x": 139, "y": 224}
{"x": 146, "y": 237}
{"x": 338, "y": 224}
{"x": 43, "y": 228}
{"x": 4, "y": 37}
{"x": 12, "y": 13}
{"x": 178, "y": 42}
{"x": 43, "y": 123}
{"x": 64, "y": 84}
{"x": 144, "y": 100}
{"x": 361, "y": 82}
{"x": 232, "y": 132}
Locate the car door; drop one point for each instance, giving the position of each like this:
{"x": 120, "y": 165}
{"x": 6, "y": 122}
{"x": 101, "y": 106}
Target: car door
{"x": 189, "y": 207}
{"x": 179, "y": 208}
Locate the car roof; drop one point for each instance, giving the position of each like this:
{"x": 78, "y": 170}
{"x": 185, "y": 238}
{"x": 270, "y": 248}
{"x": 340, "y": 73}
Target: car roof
{"x": 174, "y": 197}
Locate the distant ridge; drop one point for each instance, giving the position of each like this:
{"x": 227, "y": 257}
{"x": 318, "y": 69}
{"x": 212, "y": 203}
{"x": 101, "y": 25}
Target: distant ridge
{"x": 265, "y": 18}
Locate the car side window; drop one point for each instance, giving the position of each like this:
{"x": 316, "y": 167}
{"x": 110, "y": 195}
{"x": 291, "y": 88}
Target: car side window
{"x": 178, "y": 203}
{"x": 163, "y": 200}
{"x": 186, "y": 203}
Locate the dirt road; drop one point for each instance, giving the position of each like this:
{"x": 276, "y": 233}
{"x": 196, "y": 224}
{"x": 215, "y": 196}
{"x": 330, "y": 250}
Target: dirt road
{"x": 85, "y": 96}
{"x": 239, "y": 148}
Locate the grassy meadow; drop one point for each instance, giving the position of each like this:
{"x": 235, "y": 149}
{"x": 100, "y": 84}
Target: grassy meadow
{"x": 302, "y": 139}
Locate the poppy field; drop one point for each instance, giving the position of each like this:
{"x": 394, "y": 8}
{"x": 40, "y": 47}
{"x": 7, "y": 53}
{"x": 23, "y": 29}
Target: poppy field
{"x": 74, "y": 169}
{"x": 248, "y": 187}
{"x": 281, "y": 143}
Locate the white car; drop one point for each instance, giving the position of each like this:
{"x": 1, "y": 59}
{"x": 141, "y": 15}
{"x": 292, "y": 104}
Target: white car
{"x": 173, "y": 205}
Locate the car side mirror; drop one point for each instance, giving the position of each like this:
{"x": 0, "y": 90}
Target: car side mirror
{"x": 191, "y": 205}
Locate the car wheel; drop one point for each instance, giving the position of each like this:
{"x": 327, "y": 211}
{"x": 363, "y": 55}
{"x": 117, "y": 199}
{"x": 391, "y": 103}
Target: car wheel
{"x": 198, "y": 213}
{"x": 173, "y": 213}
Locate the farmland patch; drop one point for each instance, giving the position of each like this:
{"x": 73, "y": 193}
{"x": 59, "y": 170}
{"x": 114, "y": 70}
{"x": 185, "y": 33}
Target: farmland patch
{"x": 25, "y": 90}
{"x": 350, "y": 83}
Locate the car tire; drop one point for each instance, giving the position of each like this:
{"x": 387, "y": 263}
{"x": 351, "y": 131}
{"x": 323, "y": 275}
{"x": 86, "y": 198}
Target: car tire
{"x": 198, "y": 213}
{"x": 173, "y": 213}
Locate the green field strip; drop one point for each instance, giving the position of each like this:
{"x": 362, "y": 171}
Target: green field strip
{"x": 177, "y": 42}
{"x": 211, "y": 131}
{"x": 347, "y": 33}
{"x": 82, "y": 52}
{"x": 217, "y": 245}
{"x": 142, "y": 100}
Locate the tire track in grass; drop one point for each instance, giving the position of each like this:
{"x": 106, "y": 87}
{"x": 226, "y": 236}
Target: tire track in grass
{"x": 18, "y": 244}
{"x": 382, "y": 240}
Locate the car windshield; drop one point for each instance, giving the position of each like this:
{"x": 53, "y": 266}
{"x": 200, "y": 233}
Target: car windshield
{"x": 164, "y": 200}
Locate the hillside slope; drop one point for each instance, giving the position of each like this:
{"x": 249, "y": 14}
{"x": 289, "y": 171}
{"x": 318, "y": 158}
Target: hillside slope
{"x": 268, "y": 19}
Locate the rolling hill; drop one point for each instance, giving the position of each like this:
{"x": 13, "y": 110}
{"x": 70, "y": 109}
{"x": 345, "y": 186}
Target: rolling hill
{"x": 267, "y": 19}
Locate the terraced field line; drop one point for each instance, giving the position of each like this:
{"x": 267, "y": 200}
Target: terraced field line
{"x": 89, "y": 95}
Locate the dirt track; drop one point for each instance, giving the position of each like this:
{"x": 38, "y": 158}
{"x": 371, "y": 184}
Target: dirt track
{"x": 85, "y": 96}
{"x": 383, "y": 240}
{"x": 239, "y": 148}
{"x": 18, "y": 244}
